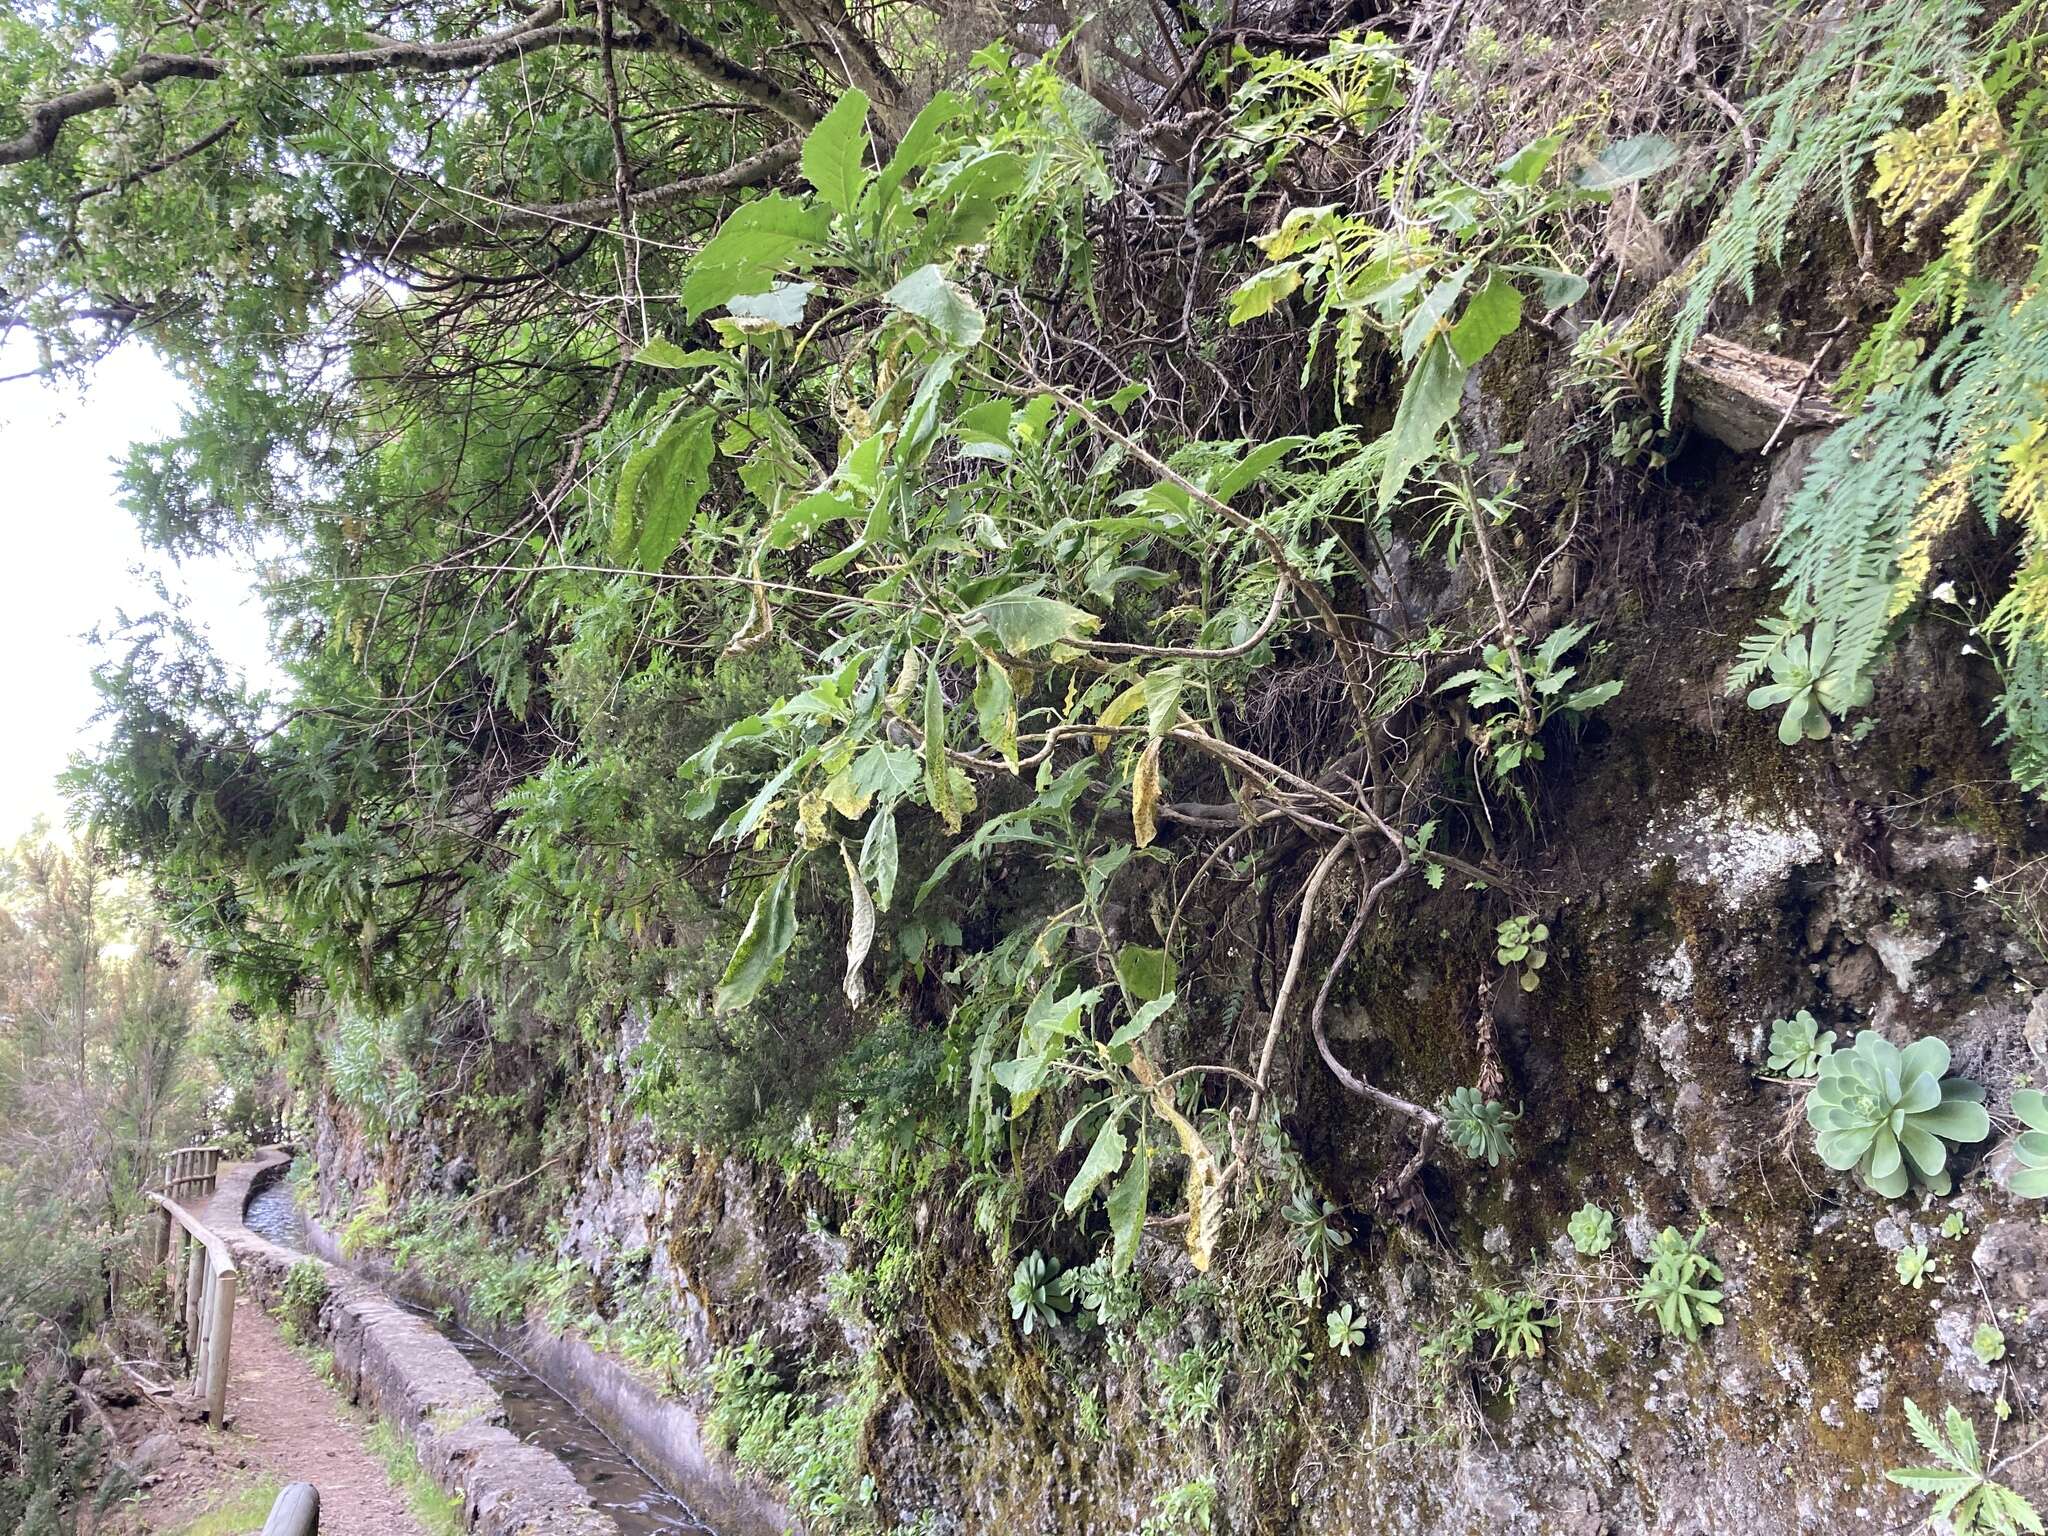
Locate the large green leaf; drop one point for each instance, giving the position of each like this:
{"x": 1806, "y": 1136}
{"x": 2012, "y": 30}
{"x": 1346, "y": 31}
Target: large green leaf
{"x": 941, "y": 303}
{"x": 1254, "y": 466}
{"x": 660, "y": 489}
{"x": 1527, "y": 164}
{"x": 1026, "y": 621}
{"x": 1629, "y": 161}
{"x": 771, "y": 928}
{"x": 1491, "y": 314}
{"x": 1428, "y": 319}
{"x": 1105, "y": 1157}
{"x": 835, "y": 153}
{"x": 978, "y": 193}
{"x": 1126, "y": 1204}
{"x": 914, "y": 150}
{"x": 1146, "y": 974}
{"x": 1427, "y": 406}
{"x": 761, "y": 239}
{"x": 805, "y": 516}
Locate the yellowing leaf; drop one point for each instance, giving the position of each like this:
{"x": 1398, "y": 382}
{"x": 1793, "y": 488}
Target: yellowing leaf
{"x": 1145, "y": 797}
{"x": 995, "y": 709}
{"x": 1205, "y": 1179}
{"x": 846, "y": 796}
{"x": 1262, "y": 292}
{"x": 1120, "y": 709}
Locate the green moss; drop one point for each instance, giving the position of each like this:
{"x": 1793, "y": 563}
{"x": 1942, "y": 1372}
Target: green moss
{"x": 438, "y": 1513}
{"x": 233, "y": 1513}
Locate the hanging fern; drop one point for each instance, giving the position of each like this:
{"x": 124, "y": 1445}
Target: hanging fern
{"x": 1952, "y": 384}
{"x": 1821, "y": 126}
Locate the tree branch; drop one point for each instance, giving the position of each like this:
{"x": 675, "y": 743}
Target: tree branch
{"x": 501, "y": 219}
{"x": 541, "y": 29}
{"x": 715, "y": 68}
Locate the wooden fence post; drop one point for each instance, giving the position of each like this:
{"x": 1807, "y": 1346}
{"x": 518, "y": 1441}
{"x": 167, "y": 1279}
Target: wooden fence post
{"x": 208, "y": 1301}
{"x": 217, "y": 1347}
{"x": 195, "y": 1285}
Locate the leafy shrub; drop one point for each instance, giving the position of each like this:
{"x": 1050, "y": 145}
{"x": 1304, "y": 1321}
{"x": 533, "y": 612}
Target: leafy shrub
{"x": 1672, "y": 1289}
{"x": 1516, "y": 694}
{"x": 302, "y": 1296}
{"x": 1887, "y": 1113}
{"x": 1317, "y": 1236}
{"x": 1796, "y": 1049}
{"x": 1478, "y": 1127}
{"x": 1191, "y": 1387}
{"x": 1516, "y": 1323}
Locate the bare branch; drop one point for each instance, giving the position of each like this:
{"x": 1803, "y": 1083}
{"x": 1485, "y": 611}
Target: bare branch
{"x": 499, "y": 220}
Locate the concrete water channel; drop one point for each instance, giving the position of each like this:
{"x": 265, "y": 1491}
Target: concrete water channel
{"x": 534, "y": 1411}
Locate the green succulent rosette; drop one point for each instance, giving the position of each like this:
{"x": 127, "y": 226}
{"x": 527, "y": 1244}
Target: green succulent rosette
{"x": 2030, "y": 1181}
{"x": 1890, "y": 1114}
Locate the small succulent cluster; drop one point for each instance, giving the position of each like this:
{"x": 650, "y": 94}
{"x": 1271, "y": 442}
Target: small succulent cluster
{"x": 1813, "y": 684}
{"x": 1478, "y": 1127}
{"x": 1346, "y": 1327}
{"x": 1674, "y": 1288}
{"x": 1591, "y": 1230}
{"x": 1890, "y": 1114}
{"x": 1522, "y": 942}
{"x": 1798, "y": 1046}
{"x": 1039, "y": 1293}
{"x": 1915, "y": 1267}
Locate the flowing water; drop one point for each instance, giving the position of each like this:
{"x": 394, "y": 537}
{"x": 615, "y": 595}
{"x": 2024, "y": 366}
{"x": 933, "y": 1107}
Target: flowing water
{"x": 533, "y": 1410}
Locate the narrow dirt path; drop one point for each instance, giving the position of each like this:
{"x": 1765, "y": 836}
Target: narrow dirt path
{"x": 285, "y": 1424}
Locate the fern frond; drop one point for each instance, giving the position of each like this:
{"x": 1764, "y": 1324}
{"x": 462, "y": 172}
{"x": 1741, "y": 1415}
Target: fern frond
{"x": 1822, "y": 125}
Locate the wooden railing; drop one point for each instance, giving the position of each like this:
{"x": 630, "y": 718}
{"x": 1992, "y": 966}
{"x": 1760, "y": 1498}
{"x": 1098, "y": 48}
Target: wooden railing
{"x": 200, "y": 1263}
{"x": 190, "y": 1172}
{"x": 190, "y": 1175}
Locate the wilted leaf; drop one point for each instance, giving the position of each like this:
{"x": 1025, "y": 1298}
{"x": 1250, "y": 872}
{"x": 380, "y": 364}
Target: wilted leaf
{"x": 1145, "y": 796}
{"x": 860, "y": 934}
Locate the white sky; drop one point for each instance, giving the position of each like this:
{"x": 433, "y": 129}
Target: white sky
{"x": 73, "y": 556}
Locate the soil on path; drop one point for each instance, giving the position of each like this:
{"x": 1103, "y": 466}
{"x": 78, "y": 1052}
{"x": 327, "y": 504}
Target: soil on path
{"x": 285, "y": 1424}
